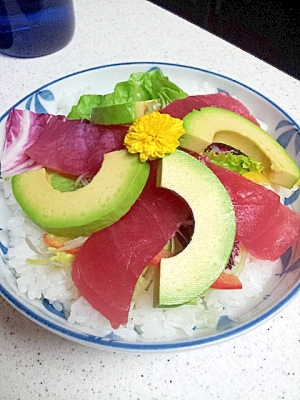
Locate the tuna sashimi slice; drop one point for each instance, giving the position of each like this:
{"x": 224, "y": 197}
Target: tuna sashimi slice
{"x": 110, "y": 262}
{"x": 284, "y": 231}
{"x": 265, "y": 227}
{"x": 75, "y": 147}
{"x": 180, "y": 107}
{"x": 52, "y": 141}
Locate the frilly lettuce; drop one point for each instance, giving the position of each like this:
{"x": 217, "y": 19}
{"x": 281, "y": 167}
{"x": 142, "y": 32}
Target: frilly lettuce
{"x": 63, "y": 183}
{"x": 141, "y": 86}
{"x": 235, "y": 162}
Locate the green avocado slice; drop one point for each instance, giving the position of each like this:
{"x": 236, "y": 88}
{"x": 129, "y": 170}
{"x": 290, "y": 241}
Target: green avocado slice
{"x": 216, "y": 125}
{"x": 182, "y": 278}
{"x": 124, "y": 113}
{"x": 95, "y": 206}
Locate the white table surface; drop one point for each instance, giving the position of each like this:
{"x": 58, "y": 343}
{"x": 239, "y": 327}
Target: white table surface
{"x": 261, "y": 364}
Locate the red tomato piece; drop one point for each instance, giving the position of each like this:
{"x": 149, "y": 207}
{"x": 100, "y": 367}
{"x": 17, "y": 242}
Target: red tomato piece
{"x": 57, "y": 242}
{"x": 162, "y": 254}
{"x": 227, "y": 281}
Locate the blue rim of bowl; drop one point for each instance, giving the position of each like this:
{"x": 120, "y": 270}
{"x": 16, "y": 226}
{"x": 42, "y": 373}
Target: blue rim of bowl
{"x": 112, "y": 344}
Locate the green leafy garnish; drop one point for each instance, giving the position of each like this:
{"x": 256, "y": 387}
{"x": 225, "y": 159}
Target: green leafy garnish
{"x": 141, "y": 86}
{"x": 63, "y": 183}
{"x": 235, "y": 162}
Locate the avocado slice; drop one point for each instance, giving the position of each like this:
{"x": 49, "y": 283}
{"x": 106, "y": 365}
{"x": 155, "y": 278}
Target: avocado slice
{"x": 95, "y": 206}
{"x": 188, "y": 274}
{"x": 124, "y": 113}
{"x": 216, "y": 125}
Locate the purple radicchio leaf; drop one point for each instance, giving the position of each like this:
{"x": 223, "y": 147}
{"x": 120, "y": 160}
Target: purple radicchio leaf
{"x": 22, "y": 130}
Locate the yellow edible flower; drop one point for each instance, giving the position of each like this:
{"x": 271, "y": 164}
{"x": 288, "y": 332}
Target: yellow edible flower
{"x": 154, "y": 135}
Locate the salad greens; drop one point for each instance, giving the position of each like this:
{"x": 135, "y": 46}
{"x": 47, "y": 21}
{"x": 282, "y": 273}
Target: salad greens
{"x": 63, "y": 183}
{"x": 235, "y": 162}
{"x": 141, "y": 86}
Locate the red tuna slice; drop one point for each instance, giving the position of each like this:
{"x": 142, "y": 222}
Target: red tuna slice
{"x": 74, "y": 147}
{"x": 110, "y": 262}
{"x": 284, "y": 231}
{"x": 180, "y": 107}
{"x": 265, "y": 227}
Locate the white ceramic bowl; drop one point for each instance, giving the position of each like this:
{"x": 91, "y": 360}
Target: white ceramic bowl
{"x": 281, "y": 288}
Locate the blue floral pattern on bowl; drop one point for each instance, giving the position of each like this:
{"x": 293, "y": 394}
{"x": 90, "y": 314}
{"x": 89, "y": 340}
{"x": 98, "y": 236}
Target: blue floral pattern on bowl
{"x": 289, "y": 131}
{"x": 285, "y": 283}
{"x": 35, "y": 101}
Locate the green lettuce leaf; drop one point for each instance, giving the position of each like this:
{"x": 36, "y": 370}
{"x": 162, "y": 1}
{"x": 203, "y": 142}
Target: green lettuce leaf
{"x": 141, "y": 86}
{"x": 63, "y": 183}
{"x": 235, "y": 162}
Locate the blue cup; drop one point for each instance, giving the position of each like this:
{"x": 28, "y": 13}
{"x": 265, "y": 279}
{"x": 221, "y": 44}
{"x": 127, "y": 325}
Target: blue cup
{"x": 34, "y": 28}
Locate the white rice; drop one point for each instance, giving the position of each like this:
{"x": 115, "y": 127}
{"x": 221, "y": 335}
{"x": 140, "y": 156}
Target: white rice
{"x": 54, "y": 283}
{"x": 66, "y": 102}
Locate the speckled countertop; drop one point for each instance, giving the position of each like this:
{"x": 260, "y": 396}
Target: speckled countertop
{"x": 261, "y": 364}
